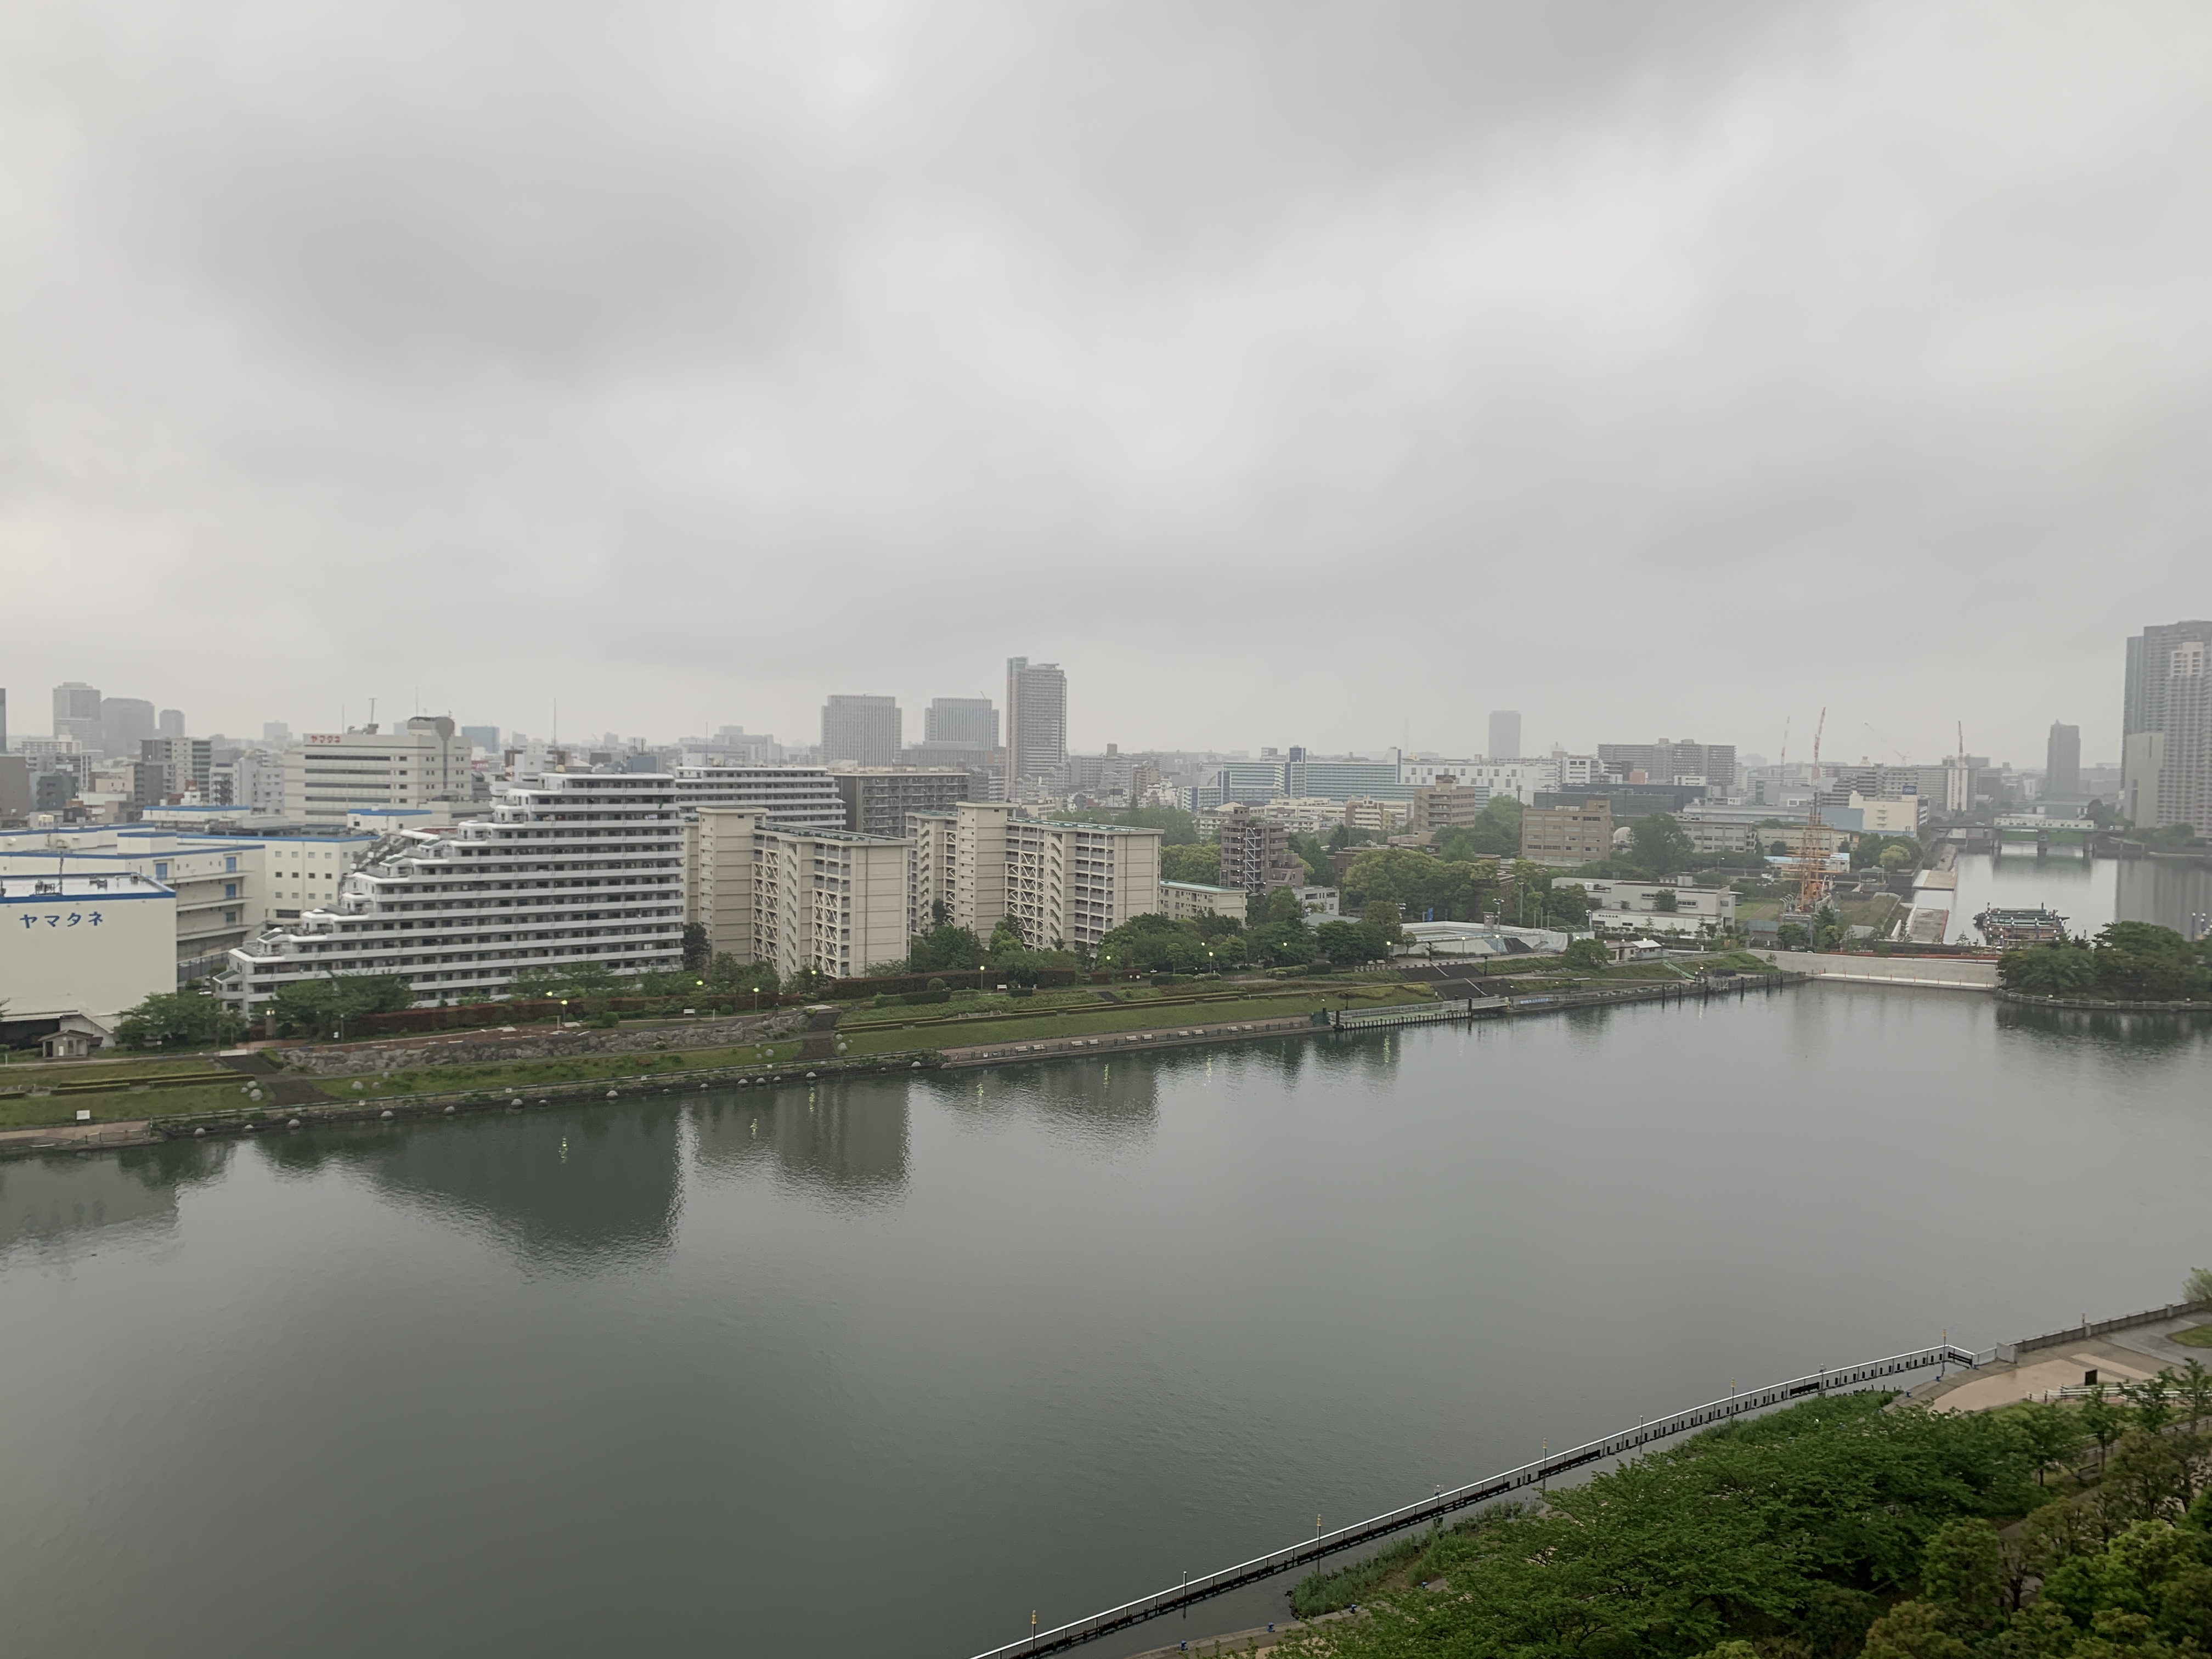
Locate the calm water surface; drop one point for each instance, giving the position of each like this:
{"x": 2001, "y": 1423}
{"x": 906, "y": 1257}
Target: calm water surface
{"x": 2088, "y": 892}
{"x": 878, "y": 1368}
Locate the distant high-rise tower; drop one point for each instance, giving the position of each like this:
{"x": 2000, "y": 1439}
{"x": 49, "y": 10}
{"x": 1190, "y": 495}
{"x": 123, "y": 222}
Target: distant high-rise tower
{"x": 969, "y": 722}
{"x": 1504, "y": 735}
{"x": 170, "y": 724}
{"x": 862, "y": 729}
{"x": 2061, "y": 763}
{"x": 4, "y": 720}
{"x": 76, "y": 713}
{"x": 2149, "y": 654}
{"x": 1036, "y": 718}
{"x": 276, "y": 731}
{"x": 2185, "y": 770}
{"x": 125, "y": 723}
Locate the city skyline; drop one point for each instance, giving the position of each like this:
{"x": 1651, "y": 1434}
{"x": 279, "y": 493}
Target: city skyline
{"x": 1565, "y": 360}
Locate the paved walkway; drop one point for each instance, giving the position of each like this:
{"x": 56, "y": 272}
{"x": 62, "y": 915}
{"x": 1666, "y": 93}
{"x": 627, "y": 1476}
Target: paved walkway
{"x": 1108, "y": 1042}
{"x": 74, "y": 1137}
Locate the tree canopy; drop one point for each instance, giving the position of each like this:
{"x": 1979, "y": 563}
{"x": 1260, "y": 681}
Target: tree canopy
{"x": 1198, "y": 862}
{"x": 190, "y": 1018}
{"x": 320, "y": 1007}
{"x": 2129, "y": 961}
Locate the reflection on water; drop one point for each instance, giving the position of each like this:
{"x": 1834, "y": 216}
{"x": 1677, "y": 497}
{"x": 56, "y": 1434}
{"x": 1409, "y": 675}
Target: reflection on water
{"x": 848, "y": 1140}
{"x": 2131, "y": 1032}
{"x": 2088, "y": 892}
{"x": 47, "y": 1200}
{"x": 2164, "y": 890}
{"x": 579, "y": 1188}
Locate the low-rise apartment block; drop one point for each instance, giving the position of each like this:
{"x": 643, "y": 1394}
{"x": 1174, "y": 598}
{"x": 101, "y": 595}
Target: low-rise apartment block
{"x": 793, "y": 797}
{"x": 1448, "y": 804}
{"x": 1186, "y": 901}
{"x": 1567, "y": 834}
{"x": 1255, "y": 853}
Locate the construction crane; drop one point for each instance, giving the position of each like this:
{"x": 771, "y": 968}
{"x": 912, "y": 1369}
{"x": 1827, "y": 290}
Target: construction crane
{"x": 1812, "y": 844}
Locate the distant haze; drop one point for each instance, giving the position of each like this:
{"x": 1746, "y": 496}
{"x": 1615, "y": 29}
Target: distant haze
{"x": 1290, "y": 373}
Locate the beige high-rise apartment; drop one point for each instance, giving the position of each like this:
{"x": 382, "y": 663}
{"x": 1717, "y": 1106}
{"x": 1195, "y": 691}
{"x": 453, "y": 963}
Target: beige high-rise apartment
{"x": 821, "y": 899}
{"x": 1067, "y": 885}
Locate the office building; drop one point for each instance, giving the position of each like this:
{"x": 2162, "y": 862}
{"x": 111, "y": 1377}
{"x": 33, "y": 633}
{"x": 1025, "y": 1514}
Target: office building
{"x": 1659, "y": 907}
{"x": 1504, "y": 735}
{"x": 1448, "y": 804}
{"x": 1567, "y": 834}
{"x": 1628, "y": 801}
{"x": 4, "y": 720}
{"x": 1382, "y": 817}
{"x": 793, "y": 797}
{"x": 125, "y": 723}
{"x": 2149, "y": 661}
{"x": 1249, "y": 782}
{"x": 860, "y": 730}
{"x": 1067, "y": 885}
{"x": 485, "y": 737}
{"x": 329, "y": 775}
{"x": 169, "y": 723}
{"x": 227, "y": 886}
{"x": 878, "y": 800}
{"x": 2184, "y": 771}
{"x": 82, "y": 948}
{"x": 2061, "y": 763}
{"x": 1036, "y": 718}
{"x": 275, "y": 732}
{"x": 1341, "y": 780}
{"x": 1255, "y": 853}
{"x": 1711, "y": 765}
{"x": 567, "y": 869}
{"x": 962, "y": 722}
{"x": 823, "y": 900}
{"x": 76, "y": 713}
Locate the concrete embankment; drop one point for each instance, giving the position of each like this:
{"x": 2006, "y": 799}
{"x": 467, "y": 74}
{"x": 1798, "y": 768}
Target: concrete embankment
{"x": 1922, "y": 972}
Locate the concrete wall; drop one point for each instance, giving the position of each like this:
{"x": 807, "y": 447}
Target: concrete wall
{"x": 1945, "y": 973}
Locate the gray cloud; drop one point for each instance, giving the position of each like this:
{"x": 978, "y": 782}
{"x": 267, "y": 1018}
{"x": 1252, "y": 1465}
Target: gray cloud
{"x": 1292, "y": 374}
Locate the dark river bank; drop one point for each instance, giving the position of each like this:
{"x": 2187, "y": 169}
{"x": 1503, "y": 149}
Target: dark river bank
{"x": 878, "y": 1369}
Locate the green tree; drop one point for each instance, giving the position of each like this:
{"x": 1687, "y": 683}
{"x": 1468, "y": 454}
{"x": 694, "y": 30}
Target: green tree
{"x": 1386, "y": 918}
{"x": 1417, "y": 882}
{"x": 322, "y": 1007}
{"x": 189, "y": 1019}
{"x": 2103, "y": 1422}
{"x": 1351, "y": 942}
{"x": 1665, "y": 902}
{"x": 2050, "y": 1433}
{"x": 1585, "y": 955}
{"x": 943, "y": 946}
{"x": 2063, "y": 969}
{"x": 729, "y": 976}
{"x": 805, "y": 982}
{"x": 1567, "y": 905}
{"x": 1790, "y": 936}
{"x": 1912, "y": 1629}
{"x": 698, "y": 948}
{"x": 2137, "y": 961}
{"x": 1177, "y": 828}
{"x": 1661, "y": 845}
{"x": 1200, "y": 862}
{"x": 1963, "y": 1573}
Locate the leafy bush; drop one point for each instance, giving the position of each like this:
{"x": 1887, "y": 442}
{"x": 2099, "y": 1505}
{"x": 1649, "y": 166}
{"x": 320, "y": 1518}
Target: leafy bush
{"x": 179, "y": 1020}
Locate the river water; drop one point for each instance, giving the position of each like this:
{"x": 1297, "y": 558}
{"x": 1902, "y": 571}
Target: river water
{"x": 880, "y": 1368}
{"x": 2088, "y": 892}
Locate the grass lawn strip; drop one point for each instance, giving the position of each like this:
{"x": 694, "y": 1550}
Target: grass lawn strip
{"x": 2201, "y": 1337}
{"x": 1107, "y": 1018}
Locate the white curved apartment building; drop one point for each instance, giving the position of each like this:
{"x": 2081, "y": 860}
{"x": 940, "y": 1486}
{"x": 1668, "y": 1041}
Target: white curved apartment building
{"x": 571, "y": 866}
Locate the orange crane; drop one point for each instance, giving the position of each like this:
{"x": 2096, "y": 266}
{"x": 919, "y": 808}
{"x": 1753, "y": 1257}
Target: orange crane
{"x": 1812, "y": 844}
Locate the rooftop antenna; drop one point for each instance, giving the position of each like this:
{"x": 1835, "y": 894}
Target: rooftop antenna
{"x": 371, "y": 711}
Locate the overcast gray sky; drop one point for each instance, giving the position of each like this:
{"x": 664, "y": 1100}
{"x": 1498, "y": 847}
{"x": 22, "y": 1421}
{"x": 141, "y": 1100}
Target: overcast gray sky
{"x": 1291, "y": 374}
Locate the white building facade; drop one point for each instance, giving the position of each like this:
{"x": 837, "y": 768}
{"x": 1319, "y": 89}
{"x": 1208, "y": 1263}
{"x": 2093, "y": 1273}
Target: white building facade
{"x": 87, "y": 945}
{"x": 793, "y": 797}
{"x": 567, "y": 869}
{"x": 327, "y": 774}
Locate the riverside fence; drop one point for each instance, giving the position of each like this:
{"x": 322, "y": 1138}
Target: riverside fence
{"x": 1553, "y": 1002}
{"x": 1622, "y": 1444}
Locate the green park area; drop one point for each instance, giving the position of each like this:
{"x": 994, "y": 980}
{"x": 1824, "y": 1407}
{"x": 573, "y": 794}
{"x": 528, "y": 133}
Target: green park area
{"x": 1854, "y": 1525}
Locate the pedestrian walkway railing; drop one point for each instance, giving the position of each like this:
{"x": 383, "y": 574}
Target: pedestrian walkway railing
{"x": 1625, "y": 1444}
